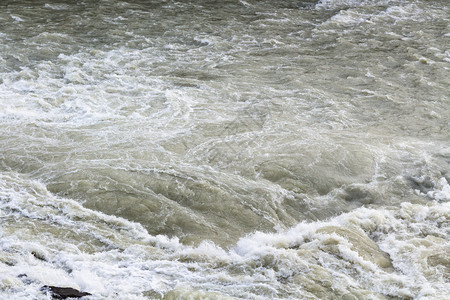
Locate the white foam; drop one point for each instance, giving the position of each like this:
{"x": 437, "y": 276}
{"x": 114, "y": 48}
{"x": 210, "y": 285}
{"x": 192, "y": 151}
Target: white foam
{"x": 441, "y": 191}
{"x": 57, "y": 6}
{"x": 17, "y": 18}
{"x": 161, "y": 264}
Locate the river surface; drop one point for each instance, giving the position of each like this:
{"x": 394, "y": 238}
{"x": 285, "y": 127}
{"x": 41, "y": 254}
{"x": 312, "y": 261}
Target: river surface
{"x": 225, "y": 149}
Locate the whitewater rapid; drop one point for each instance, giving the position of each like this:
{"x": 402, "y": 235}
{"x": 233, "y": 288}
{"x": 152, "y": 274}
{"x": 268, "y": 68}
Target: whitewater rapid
{"x": 225, "y": 149}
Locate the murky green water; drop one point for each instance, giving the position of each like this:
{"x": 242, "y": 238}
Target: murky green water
{"x": 208, "y": 149}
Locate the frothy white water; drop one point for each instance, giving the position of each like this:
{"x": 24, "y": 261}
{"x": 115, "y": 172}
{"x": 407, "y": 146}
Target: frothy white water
{"x": 366, "y": 253}
{"x": 246, "y": 149}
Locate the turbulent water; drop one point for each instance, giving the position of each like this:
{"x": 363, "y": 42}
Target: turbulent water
{"x": 225, "y": 149}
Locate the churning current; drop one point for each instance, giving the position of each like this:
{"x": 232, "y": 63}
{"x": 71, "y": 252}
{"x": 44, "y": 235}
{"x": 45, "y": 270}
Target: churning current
{"x": 225, "y": 149}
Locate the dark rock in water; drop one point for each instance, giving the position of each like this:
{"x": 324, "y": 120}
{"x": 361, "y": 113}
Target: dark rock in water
{"x": 63, "y": 292}
{"x": 24, "y": 278}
